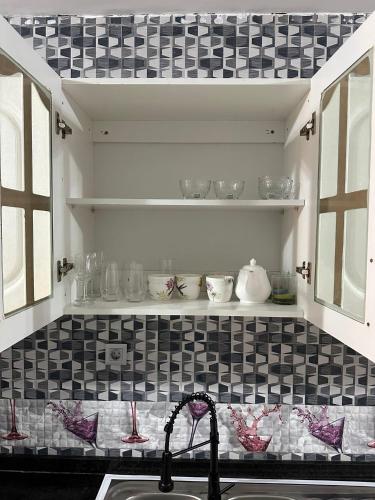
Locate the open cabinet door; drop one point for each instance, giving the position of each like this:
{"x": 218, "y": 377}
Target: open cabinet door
{"x": 38, "y": 168}
{"x": 336, "y": 170}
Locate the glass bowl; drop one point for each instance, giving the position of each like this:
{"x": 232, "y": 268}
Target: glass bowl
{"x": 228, "y": 190}
{"x": 275, "y": 188}
{"x": 194, "y": 188}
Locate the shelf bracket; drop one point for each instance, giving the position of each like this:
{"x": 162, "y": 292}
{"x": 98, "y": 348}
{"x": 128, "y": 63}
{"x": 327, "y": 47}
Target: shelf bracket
{"x": 305, "y": 271}
{"x": 62, "y": 126}
{"x": 63, "y": 268}
{"x": 309, "y": 128}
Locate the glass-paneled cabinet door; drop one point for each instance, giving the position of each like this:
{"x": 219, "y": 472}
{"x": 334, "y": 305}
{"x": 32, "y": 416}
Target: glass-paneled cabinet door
{"x": 344, "y": 173}
{"x": 335, "y": 230}
{"x": 31, "y": 198}
{"x": 25, "y": 179}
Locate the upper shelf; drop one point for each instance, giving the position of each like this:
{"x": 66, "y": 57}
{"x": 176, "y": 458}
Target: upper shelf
{"x": 199, "y": 307}
{"x": 186, "y": 100}
{"x": 113, "y": 203}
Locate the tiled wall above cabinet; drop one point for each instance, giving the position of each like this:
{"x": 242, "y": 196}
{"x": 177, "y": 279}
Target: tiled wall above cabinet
{"x": 188, "y": 46}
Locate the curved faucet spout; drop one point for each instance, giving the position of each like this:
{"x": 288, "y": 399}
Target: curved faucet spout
{"x": 166, "y": 484}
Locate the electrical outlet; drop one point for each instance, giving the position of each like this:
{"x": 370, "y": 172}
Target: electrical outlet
{"x": 116, "y": 354}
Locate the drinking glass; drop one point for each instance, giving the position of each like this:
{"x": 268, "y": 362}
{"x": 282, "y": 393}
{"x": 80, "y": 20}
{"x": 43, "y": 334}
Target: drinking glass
{"x": 81, "y": 277}
{"x": 135, "y": 284}
{"x": 94, "y": 263}
{"x": 166, "y": 266}
{"x": 110, "y": 282}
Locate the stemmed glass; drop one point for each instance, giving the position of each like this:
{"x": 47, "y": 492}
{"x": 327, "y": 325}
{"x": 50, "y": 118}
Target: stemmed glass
{"x": 197, "y": 409}
{"x": 82, "y": 278}
{"x": 134, "y": 437}
{"x": 13, "y": 435}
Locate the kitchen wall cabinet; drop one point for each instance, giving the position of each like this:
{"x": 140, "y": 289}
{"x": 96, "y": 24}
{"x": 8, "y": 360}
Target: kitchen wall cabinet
{"x": 115, "y": 182}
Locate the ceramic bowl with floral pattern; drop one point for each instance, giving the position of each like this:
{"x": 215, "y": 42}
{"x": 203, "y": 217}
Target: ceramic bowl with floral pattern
{"x": 161, "y": 286}
{"x": 219, "y": 288}
{"x": 188, "y": 286}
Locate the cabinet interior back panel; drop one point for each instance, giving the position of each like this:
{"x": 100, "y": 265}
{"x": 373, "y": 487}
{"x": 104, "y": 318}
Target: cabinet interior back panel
{"x": 200, "y": 241}
{"x": 204, "y": 241}
{"x": 129, "y": 170}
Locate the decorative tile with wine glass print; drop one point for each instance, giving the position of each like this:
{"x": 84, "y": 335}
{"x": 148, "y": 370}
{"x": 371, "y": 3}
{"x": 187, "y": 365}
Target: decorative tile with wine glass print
{"x": 49, "y": 432}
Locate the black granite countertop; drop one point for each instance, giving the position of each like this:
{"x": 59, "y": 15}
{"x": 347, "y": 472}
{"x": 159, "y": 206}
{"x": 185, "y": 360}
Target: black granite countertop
{"x": 78, "y": 478}
{"x": 15, "y": 485}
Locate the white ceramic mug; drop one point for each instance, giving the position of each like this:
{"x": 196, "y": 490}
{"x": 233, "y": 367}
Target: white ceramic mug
{"x": 219, "y": 288}
{"x": 161, "y": 286}
{"x": 188, "y": 286}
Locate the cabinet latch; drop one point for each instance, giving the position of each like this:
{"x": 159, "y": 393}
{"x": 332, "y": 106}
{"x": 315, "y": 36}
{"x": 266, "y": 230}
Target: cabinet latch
{"x": 309, "y": 128}
{"x": 63, "y": 268}
{"x": 62, "y": 126}
{"x": 305, "y": 271}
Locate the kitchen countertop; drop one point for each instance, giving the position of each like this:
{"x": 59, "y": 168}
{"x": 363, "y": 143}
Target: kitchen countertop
{"x": 78, "y": 478}
{"x": 17, "y": 485}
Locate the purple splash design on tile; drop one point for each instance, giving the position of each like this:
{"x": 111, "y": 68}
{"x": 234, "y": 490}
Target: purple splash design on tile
{"x": 248, "y": 434}
{"x": 74, "y": 421}
{"x": 330, "y": 433}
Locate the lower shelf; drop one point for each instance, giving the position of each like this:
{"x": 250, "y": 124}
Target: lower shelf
{"x": 187, "y": 308}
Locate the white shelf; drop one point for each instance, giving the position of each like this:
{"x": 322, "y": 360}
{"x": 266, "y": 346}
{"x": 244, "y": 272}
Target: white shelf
{"x": 123, "y": 203}
{"x": 186, "y": 99}
{"x": 186, "y": 307}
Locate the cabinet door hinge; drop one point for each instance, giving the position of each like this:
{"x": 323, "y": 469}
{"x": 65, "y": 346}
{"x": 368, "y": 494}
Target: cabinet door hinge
{"x": 305, "y": 271}
{"x": 63, "y": 268}
{"x": 309, "y": 128}
{"x": 62, "y": 126}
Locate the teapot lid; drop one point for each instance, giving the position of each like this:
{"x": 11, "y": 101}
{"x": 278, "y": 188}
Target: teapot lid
{"x": 253, "y": 266}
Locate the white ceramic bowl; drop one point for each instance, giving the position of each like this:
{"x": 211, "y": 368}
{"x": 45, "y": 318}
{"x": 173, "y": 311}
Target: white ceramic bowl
{"x": 188, "y": 286}
{"x": 219, "y": 288}
{"x": 161, "y": 286}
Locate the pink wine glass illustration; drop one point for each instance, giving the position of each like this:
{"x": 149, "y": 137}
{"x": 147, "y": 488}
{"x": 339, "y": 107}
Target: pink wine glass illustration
{"x": 248, "y": 435}
{"x": 13, "y": 435}
{"x": 134, "y": 437}
{"x": 197, "y": 409}
{"x": 320, "y": 427}
{"x": 74, "y": 421}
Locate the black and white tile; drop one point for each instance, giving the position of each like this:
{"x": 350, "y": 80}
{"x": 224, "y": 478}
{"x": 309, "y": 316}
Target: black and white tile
{"x": 219, "y": 45}
{"x": 235, "y": 360}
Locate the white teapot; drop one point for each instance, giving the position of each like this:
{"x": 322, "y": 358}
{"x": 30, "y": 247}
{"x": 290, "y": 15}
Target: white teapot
{"x": 253, "y": 285}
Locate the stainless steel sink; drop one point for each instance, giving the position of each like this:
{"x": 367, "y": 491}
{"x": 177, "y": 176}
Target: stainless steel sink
{"x": 163, "y": 496}
{"x": 146, "y": 488}
{"x": 260, "y": 497}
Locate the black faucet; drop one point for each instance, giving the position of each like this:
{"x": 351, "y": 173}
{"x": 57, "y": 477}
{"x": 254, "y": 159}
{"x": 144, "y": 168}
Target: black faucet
{"x": 166, "y": 483}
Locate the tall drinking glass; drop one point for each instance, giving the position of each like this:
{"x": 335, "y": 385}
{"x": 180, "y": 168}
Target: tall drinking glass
{"x": 110, "y": 282}
{"x": 135, "y": 289}
{"x": 94, "y": 263}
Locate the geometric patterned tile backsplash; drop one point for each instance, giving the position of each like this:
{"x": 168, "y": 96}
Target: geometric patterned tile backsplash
{"x": 235, "y": 360}
{"x": 219, "y": 45}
